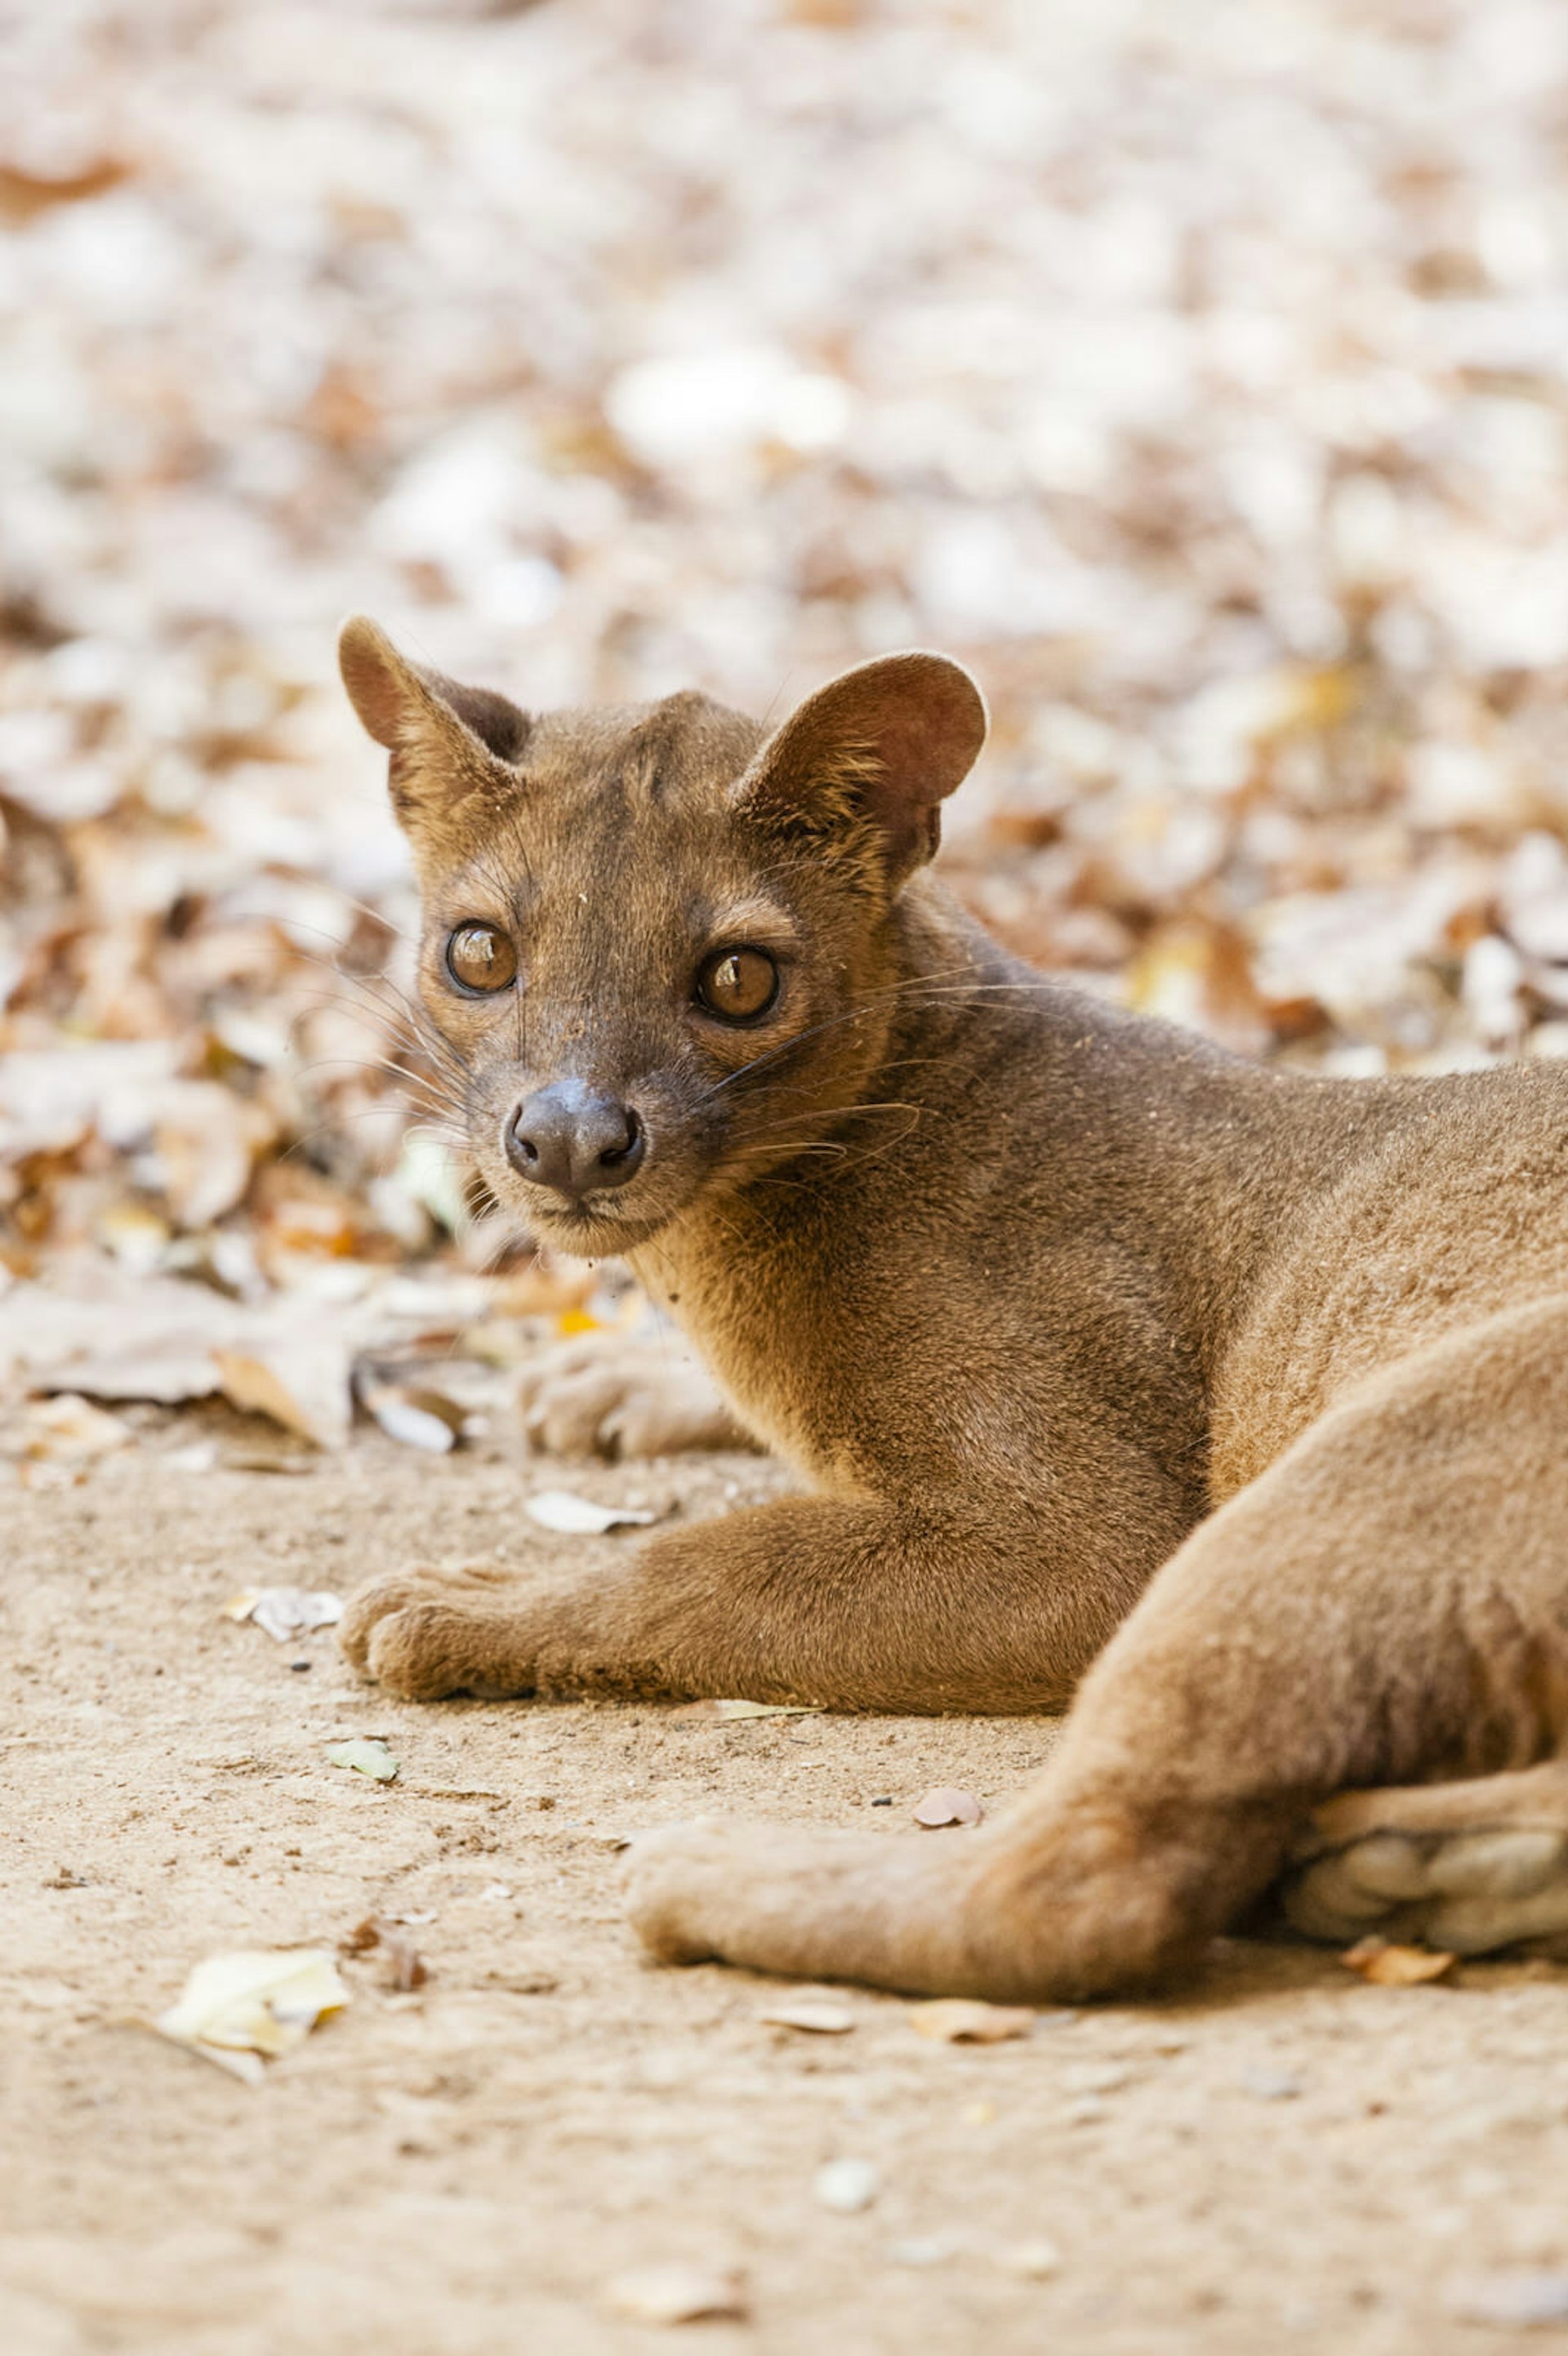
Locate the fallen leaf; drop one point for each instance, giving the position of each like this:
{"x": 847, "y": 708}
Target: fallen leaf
{"x": 824, "y": 2016}
{"x": 301, "y": 1384}
{"x": 1387, "y": 1965}
{"x": 285, "y": 1612}
{"x": 403, "y": 1967}
{"x": 250, "y": 2003}
{"x": 559, "y": 1509}
{"x": 70, "y": 1429}
{"x": 366, "y": 1754}
{"x": 419, "y": 1418}
{"x": 965, "y": 2021}
{"x": 847, "y": 2185}
{"x": 948, "y": 1805}
{"x": 727, "y": 1712}
{"x": 168, "y": 1378}
{"x": 677, "y": 2292}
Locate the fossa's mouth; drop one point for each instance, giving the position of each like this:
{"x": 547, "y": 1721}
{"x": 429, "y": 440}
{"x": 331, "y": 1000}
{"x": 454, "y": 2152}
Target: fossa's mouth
{"x": 591, "y": 1230}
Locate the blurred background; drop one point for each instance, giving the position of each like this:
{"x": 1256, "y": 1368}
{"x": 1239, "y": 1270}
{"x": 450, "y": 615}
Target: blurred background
{"x": 1198, "y": 375}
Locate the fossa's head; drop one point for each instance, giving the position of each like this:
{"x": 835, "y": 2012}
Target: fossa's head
{"x": 653, "y": 938}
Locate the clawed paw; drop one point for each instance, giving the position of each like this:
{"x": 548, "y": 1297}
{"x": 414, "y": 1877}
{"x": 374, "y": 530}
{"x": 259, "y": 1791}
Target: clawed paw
{"x": 608, "y": 1397}
{"x": 427, "y": 1634}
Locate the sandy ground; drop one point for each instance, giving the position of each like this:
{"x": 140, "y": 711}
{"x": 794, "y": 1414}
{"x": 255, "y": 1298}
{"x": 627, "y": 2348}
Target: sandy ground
{"x": 1280, "y": 2157}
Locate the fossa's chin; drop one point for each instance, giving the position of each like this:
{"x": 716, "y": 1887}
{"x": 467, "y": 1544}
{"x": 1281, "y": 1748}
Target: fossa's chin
{"x": 588, "y": 1233}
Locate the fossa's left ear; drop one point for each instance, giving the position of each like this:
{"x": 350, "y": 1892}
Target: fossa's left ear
{"x": 449, "y": 744}
{"x": 869, "y": 758}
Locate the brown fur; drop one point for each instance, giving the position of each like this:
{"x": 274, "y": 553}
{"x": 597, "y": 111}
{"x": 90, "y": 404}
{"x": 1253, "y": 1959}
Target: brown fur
{"x": 1087, "y": 1338}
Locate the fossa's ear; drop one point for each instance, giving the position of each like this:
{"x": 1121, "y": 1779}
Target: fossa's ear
{"x": 865, "y": 762}
{"x": 449, "y": 744}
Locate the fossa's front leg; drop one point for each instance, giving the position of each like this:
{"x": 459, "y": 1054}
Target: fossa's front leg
{"x": 857, "y": 1606}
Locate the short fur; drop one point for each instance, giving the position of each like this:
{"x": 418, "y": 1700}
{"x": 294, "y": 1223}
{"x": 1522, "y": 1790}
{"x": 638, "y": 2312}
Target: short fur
{"x": 1088, "y": 1339}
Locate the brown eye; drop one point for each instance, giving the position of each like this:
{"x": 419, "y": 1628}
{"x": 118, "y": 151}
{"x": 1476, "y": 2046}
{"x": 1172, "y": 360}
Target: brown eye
{"x": 479, "y": 957}
{"x": 736, "y": 984}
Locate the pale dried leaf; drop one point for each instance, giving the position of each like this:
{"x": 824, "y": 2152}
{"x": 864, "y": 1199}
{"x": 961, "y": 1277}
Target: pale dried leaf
{"x": 561, "y": 1510}
{"x": 365, "y": 1754}
{"x": 285, "y": 1612}
{"x": 823, "y": 2016}
{"x": 725, "y": 1713}
{"x": 418, "y": 1419}
{"x": 301, "y": 1384}
{"x": 946, "y": 1805}
{"x": 67, "y": 1428}
{"x": 254, "y": 2002}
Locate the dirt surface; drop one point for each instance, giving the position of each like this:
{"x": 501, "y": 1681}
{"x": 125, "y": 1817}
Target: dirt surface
{"x": 1281, "y": 2156}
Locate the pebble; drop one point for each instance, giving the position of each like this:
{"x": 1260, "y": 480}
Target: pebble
{"x": 1033, "y": 2261}
{"x": 923, "y": 2250}
{"x": 1269, "y": 2086}
{"x": 1519, "y": 2299}
{"x": 847, "y": 2185}
{"x": 678, "y": 2293}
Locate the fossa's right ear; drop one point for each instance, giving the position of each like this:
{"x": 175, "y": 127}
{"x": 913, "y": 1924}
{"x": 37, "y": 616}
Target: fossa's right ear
{"x": 454, "y": 748}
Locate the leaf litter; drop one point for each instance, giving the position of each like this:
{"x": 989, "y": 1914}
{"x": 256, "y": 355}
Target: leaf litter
{"x": 365, "y": 1754}
{"x": 1386, "y": 1963}
{"x": 947, "y": 1806}
{"x": 249, "y": 2005}
{"x": 564, "y": 1511}
{"x": 285, "y": 1612}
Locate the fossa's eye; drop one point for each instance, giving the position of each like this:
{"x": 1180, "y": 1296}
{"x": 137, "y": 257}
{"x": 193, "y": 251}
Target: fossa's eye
{"x": 482, "y": 958}
{"x": 737, "y": 984}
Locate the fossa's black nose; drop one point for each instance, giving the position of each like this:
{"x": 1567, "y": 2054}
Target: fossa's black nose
{"x": 572, "y": 1140}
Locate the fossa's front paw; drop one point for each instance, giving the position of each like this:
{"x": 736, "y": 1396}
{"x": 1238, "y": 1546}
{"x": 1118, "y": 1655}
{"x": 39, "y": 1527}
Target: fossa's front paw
{"x": 608, "y": 1396}
{"x": 427, "y": 1634}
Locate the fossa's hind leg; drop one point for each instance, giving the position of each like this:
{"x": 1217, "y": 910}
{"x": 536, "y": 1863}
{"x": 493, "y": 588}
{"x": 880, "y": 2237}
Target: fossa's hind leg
{"x": 1386, "y": 1601}
{"x": 1471, "y": 1866}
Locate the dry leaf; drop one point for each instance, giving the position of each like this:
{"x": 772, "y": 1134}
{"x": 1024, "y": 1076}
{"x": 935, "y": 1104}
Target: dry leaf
{"x": 1387, "y": 1965}
{"x": 70, "y": 1429}
{"x": 366, "y": 1754}
{"x": 236, "y": 2007}
{"x": 731, "y": 1712}
{"x": 419, "y": 1418}
{"x": 823, "y": 2016}
{"x": 560, "y": 1509}
{"x": 948, "y": 1805}
{"x": 285, "y": 1612}
{"x": 678, "y": 2293}
{"x": 303, "y": 1384}
{"x": 403, "y": 1967}
{"x": 965, "y": 2021}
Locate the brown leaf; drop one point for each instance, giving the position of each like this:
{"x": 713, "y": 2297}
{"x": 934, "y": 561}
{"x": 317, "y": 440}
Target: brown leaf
{"x": 403, "y": 1967}
{"x": 946, "y": 1805}
{"x": 1387, "y": 1965}
{"x": 965, "y": 2021}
